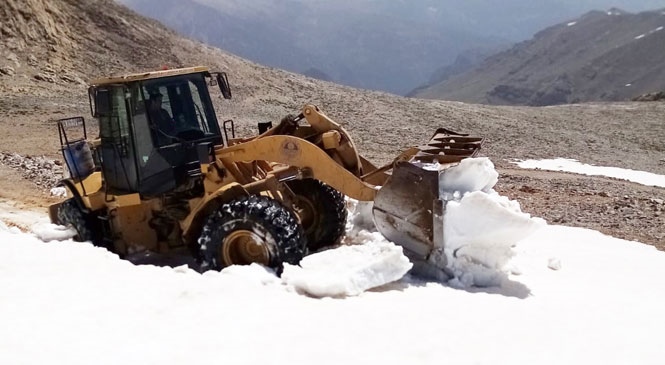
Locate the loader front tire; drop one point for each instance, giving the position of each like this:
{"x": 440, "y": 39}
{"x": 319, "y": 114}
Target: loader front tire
{"x": 70, "y": 215}
{"x": 251, "y": 229}
{"x": 322, "y": 212}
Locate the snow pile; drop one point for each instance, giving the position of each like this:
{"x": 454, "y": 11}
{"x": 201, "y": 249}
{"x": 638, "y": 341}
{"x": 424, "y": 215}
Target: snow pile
{"x": 480, "y": 232}
{"x": 348, "y": 270}
{"x": 366, "y": 260}
{"x": 46, "y": 232}
{"x": 471, "y": 174}
{"x": 480, "y": 227}
{"x": 570, "y": 165}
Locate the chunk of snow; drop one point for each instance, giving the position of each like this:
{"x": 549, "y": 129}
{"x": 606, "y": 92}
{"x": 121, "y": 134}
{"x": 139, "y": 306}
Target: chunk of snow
{"x": 360, "y": 217}
{"x": 571, "y": 24}
{"x": 640, "y": 36}
{"x": 480, "y": 227}
{"x": 250, "y": 274}
{"x": 658, "y": 29}
{"x": 629, "y": 84}
{"x": 59, "y": 191}
{"x": 46, "y": 232}
{"x": 471, "y": 174}
{"x": 554, "y": 263}
{"x": 479, "y": 233}
{"x": 348, "y": 270}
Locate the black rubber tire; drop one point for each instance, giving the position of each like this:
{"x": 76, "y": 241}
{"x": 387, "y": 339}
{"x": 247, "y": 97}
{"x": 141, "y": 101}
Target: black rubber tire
{"x": 270, "y": 220}
{"x": 70, "y": 214}
{"x": 329, "y": 225}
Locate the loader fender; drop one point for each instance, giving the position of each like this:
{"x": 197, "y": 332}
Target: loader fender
{"x": 53, "y": 213}
{"x": 69, "y": 184}
{"x": 53, "y": 208}
{"x": 193, "y": 224}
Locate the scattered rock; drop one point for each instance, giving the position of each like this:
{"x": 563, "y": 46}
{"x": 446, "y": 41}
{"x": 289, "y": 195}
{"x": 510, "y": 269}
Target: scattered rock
{"x": 528, "y": 189}
{"x": 48, "y": 68}
{"x": 72, "y": 79}
{"x": 44, "y": 77}
{"x": 32, "y": 60}
{"x": 655, "y": 96}
{"x": 6, "y": 32}
{"x": 43, "y": 172}
{"x": 14, "y": 58}
{"x": 7, "y": 70}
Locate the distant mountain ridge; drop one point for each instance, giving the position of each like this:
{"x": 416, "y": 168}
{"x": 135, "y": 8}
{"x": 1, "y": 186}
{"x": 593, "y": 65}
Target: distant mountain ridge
{"x": 356, "y": 43}
{"x": 392, "y": 46}
{"x": 606, "y": 56}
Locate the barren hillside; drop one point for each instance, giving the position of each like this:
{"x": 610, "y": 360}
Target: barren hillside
{"x": 600, "y": 56}
{"x": 49, "y": 48}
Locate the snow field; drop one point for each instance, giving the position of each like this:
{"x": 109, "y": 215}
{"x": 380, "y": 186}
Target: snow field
{"x": 565, "y": 295}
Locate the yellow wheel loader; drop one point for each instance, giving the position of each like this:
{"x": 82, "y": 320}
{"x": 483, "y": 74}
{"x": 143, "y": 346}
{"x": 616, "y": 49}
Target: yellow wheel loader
{"x": 164, "y": 175}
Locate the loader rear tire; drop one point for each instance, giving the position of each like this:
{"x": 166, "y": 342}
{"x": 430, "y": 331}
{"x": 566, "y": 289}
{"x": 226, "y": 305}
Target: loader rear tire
{"x": 251, "y": 229}
{"x": 70, "y": 214}
{"x": 322, "y": 212}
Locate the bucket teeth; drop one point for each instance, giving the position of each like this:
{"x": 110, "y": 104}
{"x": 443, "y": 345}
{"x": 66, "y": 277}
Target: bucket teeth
{"x": 448, "y": 147}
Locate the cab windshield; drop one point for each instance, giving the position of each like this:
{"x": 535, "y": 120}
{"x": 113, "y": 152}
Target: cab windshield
{"x": 178, "y": 109}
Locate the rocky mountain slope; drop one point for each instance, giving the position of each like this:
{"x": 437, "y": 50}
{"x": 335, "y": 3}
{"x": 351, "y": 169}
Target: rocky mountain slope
{"x": 607, "y": 56}
{"x": 373, "y": 48}
{"x": 50, "y": 48}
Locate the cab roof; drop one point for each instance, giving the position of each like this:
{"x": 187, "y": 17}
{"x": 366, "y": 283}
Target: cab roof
{"x": 122, "y": 79}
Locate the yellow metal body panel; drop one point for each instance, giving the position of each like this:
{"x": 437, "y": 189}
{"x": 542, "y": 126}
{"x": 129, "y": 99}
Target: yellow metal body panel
{"x": 331, "y": 139}
{"x": 95, "y": 201}
{"x": 148, "y": 75}
{"x": 131, "y": 224}
{"x": 297, "y": 152}
{"x": 92, "y": 184}
{"x": 346, "y": 153}
{"x": 127, "y": 200}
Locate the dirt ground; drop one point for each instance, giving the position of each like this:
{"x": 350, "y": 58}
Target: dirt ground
{"x": 627, "y": 135}
{"x": 614, "y": 207}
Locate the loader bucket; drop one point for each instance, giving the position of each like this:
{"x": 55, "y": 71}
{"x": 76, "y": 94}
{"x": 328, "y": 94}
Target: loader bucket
{"x": 408, "y": 209}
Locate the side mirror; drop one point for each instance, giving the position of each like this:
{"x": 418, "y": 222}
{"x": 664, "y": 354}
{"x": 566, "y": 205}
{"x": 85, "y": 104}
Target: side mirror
{"x": 223, "y": 82}
{"x": 99, "y": 102}
{"x": 91, "y": 100}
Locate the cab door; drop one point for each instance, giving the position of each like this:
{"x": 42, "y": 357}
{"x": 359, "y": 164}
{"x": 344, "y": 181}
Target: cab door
{"x": 118, "y": 152}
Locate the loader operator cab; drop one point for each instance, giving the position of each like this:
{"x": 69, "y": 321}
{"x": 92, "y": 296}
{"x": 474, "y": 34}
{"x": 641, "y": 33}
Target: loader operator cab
{"x": 156, "y": 129}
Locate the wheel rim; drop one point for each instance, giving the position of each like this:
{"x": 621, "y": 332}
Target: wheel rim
{"x": 307, "y": 213}
{"x": 243, "y": 247}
